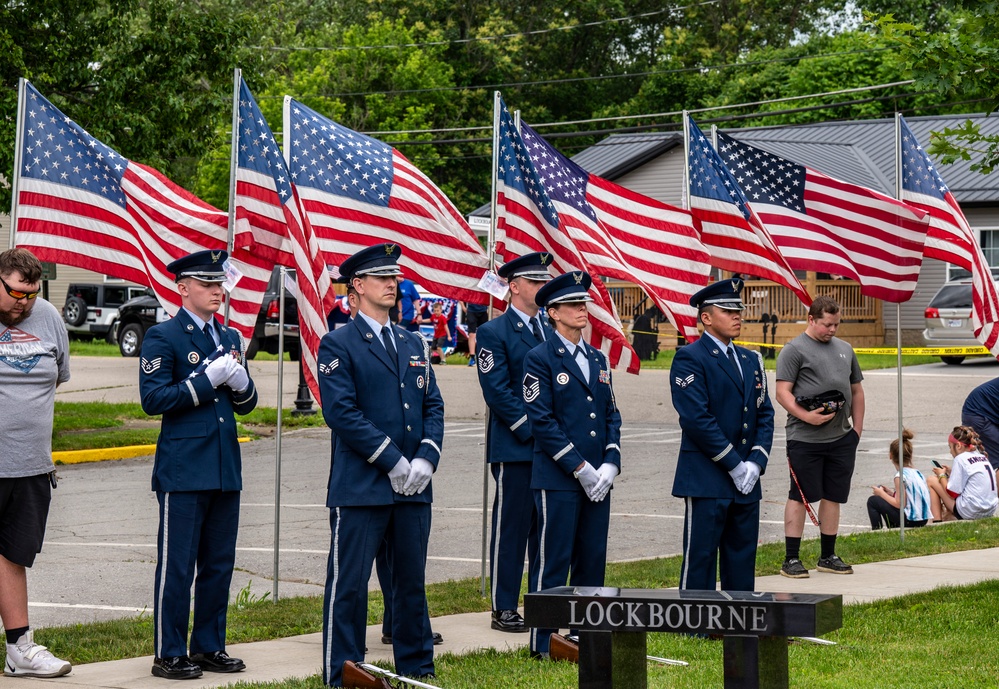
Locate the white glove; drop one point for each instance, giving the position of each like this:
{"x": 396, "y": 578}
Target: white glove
{"x": 399, "y": 474}
{"x": 588, "y": 478}
{"x": 238, "y": 379}
{"x": 218, "y": 371}
{"x": 738, "y": 474}
{"x": 752, "y": 476}
{"x": 420, "y": 471}
{"x": 606, "y": 473}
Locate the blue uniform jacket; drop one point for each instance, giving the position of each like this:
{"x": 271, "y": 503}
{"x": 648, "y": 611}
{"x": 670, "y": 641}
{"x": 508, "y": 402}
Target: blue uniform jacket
{"x": 723, "y": 421}
{"x": 378, "y": 413}
{"x": 500, "y": 348}
{"x": 197, "y": 448}
{"x": 571, "y": 420}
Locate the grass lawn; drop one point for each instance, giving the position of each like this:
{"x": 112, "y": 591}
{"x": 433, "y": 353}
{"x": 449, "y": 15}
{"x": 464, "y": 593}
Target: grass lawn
{"x": 933, "y": 628}
{"x": 95, "y": 425}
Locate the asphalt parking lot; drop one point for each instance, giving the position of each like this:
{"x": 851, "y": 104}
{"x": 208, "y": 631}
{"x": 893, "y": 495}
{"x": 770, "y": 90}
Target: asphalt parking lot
{"x": 100, "y": 553}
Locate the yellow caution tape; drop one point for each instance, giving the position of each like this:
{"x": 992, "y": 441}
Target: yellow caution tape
{"x": 906, "y": 351}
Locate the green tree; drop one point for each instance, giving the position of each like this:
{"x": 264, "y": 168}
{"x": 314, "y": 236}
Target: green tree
{"x": 149, "y": 78}
{"x": 959, "y": 62}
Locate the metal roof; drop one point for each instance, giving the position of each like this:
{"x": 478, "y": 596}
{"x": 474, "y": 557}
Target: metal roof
{"x": 861, "y": 152}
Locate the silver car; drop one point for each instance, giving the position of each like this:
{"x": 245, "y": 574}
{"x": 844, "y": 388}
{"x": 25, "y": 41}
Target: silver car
{"x": 948, "y": 319}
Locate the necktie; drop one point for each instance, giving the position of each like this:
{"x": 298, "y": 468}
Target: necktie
{"x": 731, "y": 357}
{"x": 536, "y": 329}
{"x": 389, "y": 345}
{"x": 209, "y": 334}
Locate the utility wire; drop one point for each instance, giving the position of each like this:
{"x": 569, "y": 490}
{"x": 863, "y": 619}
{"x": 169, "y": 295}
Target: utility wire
{"x": 476, "y": 39}
{"x": 575, "y": 80}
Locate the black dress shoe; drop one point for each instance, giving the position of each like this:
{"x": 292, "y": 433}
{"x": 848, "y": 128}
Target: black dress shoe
{"x": 219, "y": 661}
{"x": 508, "y": 621}
{"x": 438, "y": 639}
{"x": 177, "y": 667}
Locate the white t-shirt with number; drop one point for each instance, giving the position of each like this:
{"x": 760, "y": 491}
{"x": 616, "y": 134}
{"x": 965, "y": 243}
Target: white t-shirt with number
{"x": 973, "y": 483}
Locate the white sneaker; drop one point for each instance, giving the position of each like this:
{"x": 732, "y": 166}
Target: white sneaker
{"x": 28, "y": 659}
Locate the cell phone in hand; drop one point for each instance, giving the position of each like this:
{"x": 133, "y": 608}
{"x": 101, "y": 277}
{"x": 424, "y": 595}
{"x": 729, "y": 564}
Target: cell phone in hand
{"x": 937, "y": 464}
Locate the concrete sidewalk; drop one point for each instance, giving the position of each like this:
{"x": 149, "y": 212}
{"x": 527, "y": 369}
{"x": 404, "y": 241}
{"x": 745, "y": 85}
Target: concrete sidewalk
{"x": 300, "y": 656}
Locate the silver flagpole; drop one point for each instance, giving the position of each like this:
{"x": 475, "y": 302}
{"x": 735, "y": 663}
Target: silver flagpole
{"x": 22, "y": 88}
{"x": 685, "y": 191}
{"x": 491, "y": 255}
{"x": 277, "y": 444}
{"x": 898, "y": 344}
{"x": 237, "y": 78}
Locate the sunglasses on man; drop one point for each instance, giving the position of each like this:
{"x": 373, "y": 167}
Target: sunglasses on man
{"x": 18, "y": 294}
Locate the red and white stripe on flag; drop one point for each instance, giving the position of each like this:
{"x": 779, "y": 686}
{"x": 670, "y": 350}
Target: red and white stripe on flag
{"x": 358, "y": 191}
{"x": 624, "y": 235}
{"x": 824, "y": 224}
{"x": 159, "y": 223}
{"x": 731, "y": 231}
{"x": 950, "y": 238}
{"x": 271, "y": 224}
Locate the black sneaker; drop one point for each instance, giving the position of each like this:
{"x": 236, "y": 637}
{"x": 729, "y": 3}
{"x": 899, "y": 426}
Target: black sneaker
{"x": 793, "y": 569}
{"x": 833, "y": 565}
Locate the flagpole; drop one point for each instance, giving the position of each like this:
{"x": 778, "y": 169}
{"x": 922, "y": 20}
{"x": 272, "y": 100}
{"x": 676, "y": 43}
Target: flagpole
{"x": 237, "y": 78}
{"x": 898, "y": 345}
{"x": 685, "y": 191}
{"x": 491, "y": 256}
{"x": 22, "y": 89}
{"x": 277, "y": 437}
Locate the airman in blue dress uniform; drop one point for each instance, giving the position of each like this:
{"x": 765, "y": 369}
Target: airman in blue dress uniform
{"x": 720, "y": 392}
{"x": 192, "y": 372}
{"x": 501, "y": 347}
{"x": 380, "y": 398}
{"x": 577, "y": 453}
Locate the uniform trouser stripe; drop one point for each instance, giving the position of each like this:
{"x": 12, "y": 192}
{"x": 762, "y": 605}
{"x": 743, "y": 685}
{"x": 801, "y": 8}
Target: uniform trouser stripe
{"x": 497, "y": 532}
{"x": 543, "y": 524}
{"x": 334, "y": 572}
{"x": 162, "y": 569}
{"x": 688, "y": 527}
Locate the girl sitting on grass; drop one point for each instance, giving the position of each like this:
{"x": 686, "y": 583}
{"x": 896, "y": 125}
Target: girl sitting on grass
{"x": 883, "y": 506}
{"x": 968, "y": 490}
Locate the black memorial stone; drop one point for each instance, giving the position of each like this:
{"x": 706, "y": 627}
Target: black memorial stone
{"x": 613, "y": 622}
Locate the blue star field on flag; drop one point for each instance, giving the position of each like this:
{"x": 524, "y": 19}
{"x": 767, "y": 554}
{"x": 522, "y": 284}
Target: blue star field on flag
{"x": 764, "y": 177}
{"x": 258, "y": 151}
{"x": 518, "y": 172}
{"x": 330, "y": 157}
{"x": 57, "y": 149}
{"x": 918, "y": 173}
{"x": 564, "y": 180}
{"x": 708, "y": 175}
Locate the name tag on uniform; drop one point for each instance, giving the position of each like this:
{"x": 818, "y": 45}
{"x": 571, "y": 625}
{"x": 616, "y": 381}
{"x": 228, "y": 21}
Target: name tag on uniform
{"x": 604, "y": 377}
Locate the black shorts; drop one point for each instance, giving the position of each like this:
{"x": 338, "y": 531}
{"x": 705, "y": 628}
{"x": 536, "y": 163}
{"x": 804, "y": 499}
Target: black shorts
{"x": 24, "y": 509}
{"x": 473, "y": 319}
{"x": 824, "y": 470}
{"x": 441, "y": 342}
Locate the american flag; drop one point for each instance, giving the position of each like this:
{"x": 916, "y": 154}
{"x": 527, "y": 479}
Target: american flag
{"x": 80, "y": 203}
{"x": 950, "y": 238}
{"x": 528, "y": 220}
{"x": 821, "y": 223}
{"x": 358, "y": 191}
{"x": 267, "y": 205}
{"x": 732, "y": 232}
{"x": 624, "y": 235}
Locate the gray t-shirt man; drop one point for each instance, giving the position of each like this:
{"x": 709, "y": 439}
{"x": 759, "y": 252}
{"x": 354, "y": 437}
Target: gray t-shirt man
{"x": 815, "y": 367}
{"x": 34, "y": 359}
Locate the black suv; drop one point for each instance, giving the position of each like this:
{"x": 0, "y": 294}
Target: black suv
{"x": 135, "y": 317}
{"x": 265, "y": 332}
{"x": 91, "y": 308}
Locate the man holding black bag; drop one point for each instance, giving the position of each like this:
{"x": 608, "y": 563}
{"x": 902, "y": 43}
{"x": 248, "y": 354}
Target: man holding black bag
{"x": 819, "y": 384}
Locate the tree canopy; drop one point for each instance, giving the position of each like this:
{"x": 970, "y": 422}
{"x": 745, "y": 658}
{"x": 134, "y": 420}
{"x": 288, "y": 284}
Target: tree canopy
{"x": 153, "y": 78}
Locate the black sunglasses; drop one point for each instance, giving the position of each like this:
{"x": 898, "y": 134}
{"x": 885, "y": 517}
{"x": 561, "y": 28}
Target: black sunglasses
{"x": 18, "y": 294}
